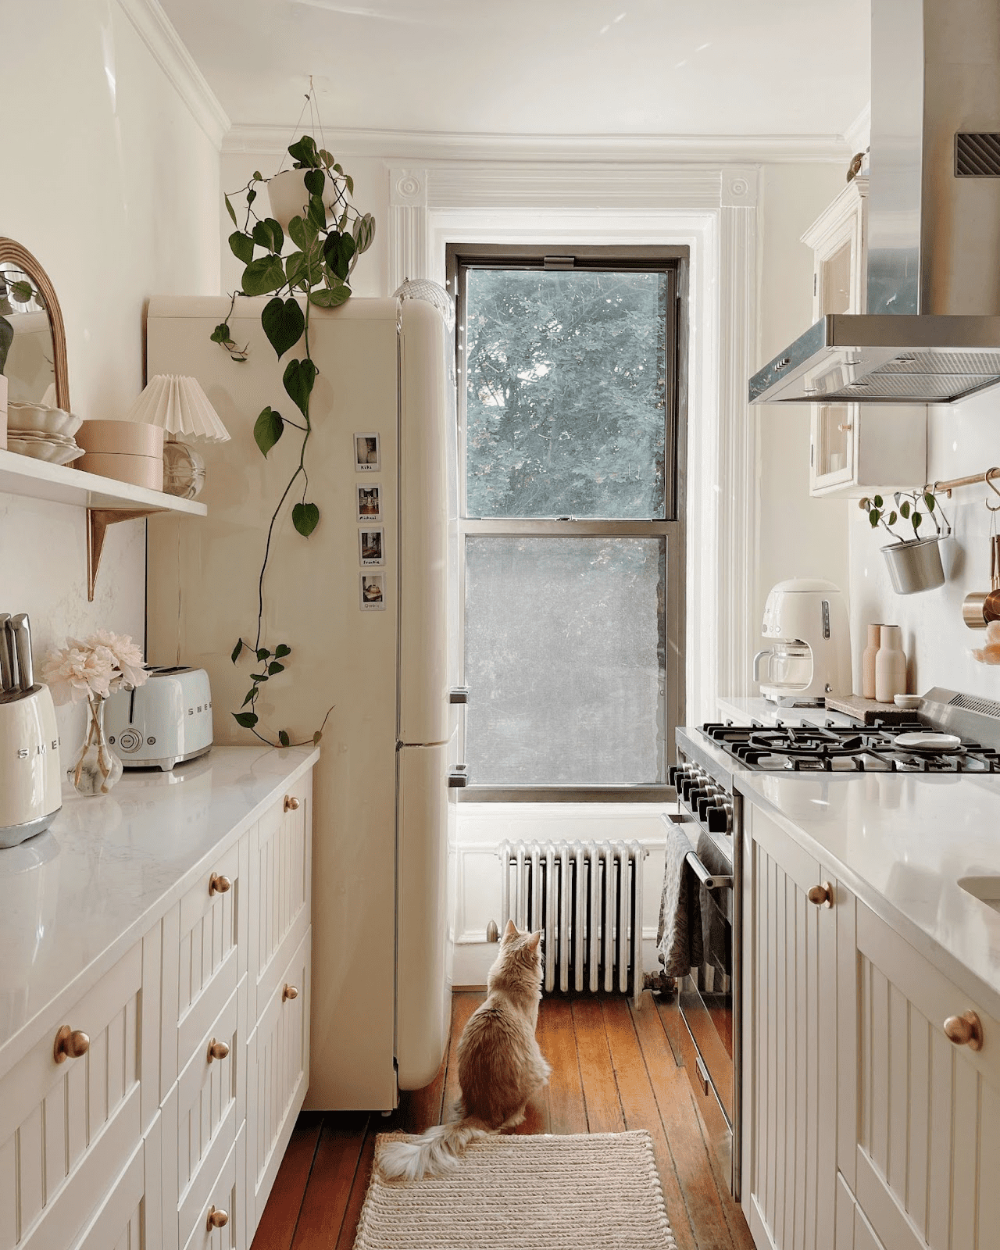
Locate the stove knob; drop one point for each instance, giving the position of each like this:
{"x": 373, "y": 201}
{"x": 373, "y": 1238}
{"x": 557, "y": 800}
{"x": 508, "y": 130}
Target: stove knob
{"x": 674, "y": 774}
{"x": 719, "y": 818}
{"x": 689, "y": 785}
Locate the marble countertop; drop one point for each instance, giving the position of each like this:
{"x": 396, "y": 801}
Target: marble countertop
{"x": 75, "y": 898}
{"x": 902, "y": 842}
{"x": 742, "y": 709}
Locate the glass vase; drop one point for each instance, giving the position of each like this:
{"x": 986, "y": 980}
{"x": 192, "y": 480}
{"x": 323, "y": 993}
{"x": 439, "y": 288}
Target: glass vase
{"x": 97, "y": 767}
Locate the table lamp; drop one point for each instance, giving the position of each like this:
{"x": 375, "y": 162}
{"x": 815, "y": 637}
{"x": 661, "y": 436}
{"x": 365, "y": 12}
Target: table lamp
{"x": 182, "y": 408}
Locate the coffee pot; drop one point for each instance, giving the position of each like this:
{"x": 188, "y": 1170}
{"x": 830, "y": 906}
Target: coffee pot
{"x": 809, "y": 657}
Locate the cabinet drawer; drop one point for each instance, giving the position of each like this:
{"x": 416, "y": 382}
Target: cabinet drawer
{"x": 277, "y": 1075}
{"x": 220, "y": 1203}
{"x": 205, "y": 934}
{"x": 207, "y": 1102}
{"x": 67, "y": 1129}
{"x": 281, "y": 854}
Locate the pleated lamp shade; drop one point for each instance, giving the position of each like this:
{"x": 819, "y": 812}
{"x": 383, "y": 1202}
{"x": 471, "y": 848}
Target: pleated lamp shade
{"x": 181, "y": 407}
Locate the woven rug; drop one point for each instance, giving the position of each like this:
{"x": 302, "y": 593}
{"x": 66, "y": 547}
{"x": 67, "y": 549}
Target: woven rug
{"x": 597, "y": 1191}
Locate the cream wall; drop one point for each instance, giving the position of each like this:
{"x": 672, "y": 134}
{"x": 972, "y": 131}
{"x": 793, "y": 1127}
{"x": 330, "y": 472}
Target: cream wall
{"x": 962, "y": 439}
{"x": 798, "y": 536}
{"x": 113, "y": 184}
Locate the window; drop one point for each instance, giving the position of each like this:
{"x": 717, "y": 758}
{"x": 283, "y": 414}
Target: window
{"x": 571, "y": 516}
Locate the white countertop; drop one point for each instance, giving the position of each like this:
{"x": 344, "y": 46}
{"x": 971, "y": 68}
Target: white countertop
{"x": 75, "y": 898}
{"x": 901, "y": 842}
{"x": 742, "y": 710}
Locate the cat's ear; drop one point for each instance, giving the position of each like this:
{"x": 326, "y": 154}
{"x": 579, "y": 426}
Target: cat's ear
{"x": 533, "y": 940}
{"x": 510, "y": 931}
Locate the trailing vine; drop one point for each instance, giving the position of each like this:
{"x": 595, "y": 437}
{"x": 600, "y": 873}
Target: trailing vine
{"x": 319, "y": 269}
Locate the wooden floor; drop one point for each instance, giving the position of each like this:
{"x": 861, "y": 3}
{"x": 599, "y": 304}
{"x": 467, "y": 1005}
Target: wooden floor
{"x": 614, "y": 1068}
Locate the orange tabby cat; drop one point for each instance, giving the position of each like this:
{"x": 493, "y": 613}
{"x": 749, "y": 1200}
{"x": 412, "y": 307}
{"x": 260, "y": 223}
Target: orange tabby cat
{"x": 499, "y": 1064}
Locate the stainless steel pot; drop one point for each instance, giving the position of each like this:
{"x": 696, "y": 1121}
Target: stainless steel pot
{"x": 914, "y": 565}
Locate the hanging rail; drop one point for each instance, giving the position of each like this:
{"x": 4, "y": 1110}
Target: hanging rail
{"x": 945, "y": 488}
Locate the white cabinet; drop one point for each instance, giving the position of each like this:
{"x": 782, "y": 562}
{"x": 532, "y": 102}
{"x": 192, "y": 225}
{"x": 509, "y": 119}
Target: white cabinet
{"x": 926, "y": 1134}
{"x": 856, "y": 447}
{"x": 68, "y": 1125}
{"x": 156, "y": 1108}
{"x": 790, "y": 961}
{"x": 871, "y": 1119}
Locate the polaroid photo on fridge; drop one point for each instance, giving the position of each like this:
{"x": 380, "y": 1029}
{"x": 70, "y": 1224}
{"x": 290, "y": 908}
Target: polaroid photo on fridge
{"x": 370, "y": 503}
{"x": 372, "y": 592}
{"x": 367, "y": 453}
{"x": 370, "y": 542}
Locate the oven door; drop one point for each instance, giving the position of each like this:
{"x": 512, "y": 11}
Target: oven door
{"x": 705, "y": 997}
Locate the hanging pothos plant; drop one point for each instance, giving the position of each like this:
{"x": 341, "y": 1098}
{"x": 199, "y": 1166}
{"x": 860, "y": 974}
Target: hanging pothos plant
{"x": 329, "y": 237}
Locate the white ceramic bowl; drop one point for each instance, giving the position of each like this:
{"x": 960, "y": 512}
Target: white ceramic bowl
{"x": 44, "y": 420}
{"x": 42, "y": 449}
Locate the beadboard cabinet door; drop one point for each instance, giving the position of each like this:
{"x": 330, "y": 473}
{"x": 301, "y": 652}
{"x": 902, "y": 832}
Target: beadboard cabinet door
{"x": 790, "y": 1097}
{"x": 278, "y": 1075}
{"x": 926, "y": 1134}
{"x": 68, "y": 1126}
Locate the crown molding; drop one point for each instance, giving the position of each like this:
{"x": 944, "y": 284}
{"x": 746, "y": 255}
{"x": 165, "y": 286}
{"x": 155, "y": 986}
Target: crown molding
{"x": 430, "y": 146}
{"x": 158, "y": 34}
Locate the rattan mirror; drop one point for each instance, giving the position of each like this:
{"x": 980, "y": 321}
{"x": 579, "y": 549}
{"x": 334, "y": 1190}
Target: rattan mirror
{"x": 36, "y": 360}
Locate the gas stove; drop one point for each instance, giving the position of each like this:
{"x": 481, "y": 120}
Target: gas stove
{"x": 868, "y": 749}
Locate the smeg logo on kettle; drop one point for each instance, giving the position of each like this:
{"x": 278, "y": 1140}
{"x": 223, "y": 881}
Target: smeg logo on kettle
{"x": 24, "y": 753}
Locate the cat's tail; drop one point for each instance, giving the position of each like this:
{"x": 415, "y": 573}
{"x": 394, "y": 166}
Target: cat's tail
{"x": 433, "y": 1153}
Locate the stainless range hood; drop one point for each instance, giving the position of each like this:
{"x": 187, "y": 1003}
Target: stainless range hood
{"x": 932, "y": 333}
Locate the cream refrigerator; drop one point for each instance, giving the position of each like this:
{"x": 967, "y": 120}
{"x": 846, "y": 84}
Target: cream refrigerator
{"x": 367, "y": 605}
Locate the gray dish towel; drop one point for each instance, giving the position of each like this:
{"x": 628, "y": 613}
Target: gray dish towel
{"x": 693, "y": 928}
{"x": 678, "y": 932}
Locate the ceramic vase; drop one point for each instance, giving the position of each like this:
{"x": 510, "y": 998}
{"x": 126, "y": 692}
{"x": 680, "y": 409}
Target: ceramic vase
{"x": 97, "y": 767}
{"x": 868, "y": 662}
{"x": 890, "y": 665}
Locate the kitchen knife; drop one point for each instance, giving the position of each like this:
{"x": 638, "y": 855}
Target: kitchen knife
{"x": 7, "y": 680}
{"x": 22, "y": 647}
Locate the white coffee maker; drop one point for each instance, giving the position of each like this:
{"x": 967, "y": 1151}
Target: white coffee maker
{"x": 806, "y": 623}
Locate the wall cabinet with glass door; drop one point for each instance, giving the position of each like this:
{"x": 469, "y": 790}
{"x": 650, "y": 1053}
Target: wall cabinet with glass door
{"x": 855, "y": 447}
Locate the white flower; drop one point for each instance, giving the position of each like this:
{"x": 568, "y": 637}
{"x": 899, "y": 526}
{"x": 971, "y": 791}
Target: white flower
{"x": 95, "y": 667}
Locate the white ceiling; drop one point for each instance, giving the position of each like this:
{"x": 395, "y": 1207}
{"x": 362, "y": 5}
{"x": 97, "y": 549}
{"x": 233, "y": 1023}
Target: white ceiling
{"x": 537, "y": 67}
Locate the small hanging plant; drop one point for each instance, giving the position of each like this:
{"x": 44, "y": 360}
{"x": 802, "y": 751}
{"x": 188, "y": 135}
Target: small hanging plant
{"x": 906, "y": 509}
{"x": 328, "y": 236}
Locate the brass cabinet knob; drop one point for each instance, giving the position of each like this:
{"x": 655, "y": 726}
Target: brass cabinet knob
{"x": 291, "y": 803}
{"x": 821, "y": 895}
{"x": 965, "y": 1030}
{"x": 217, "y": 1218}
{"x": 218, "y": 884}
{"x": 290, "y": 991}
{"x": 217, "y": 1050}
{"x": 69, "y": 1044}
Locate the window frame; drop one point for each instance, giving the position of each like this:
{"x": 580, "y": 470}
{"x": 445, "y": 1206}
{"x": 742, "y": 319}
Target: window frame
{"x": 674, "y": 261}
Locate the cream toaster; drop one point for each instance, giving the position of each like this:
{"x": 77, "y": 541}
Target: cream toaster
{"x": 162, "y": 723}
{"x": 30, "y": 776}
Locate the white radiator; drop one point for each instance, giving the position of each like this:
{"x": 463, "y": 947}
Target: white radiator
{"x": 586, "y": 897}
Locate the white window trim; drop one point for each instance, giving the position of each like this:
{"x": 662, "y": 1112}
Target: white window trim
{"x": 713, "y": 211}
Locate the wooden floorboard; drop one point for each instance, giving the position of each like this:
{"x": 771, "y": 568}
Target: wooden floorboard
{"x": 600, "y": 1093}
{"x": 334, "y": 1170}
{"x": 281, "y": 1215}
{"x": 613, "y": 1067}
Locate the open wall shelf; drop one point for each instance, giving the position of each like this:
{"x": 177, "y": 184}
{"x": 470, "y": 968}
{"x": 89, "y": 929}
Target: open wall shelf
{"x": 106, "y": 500}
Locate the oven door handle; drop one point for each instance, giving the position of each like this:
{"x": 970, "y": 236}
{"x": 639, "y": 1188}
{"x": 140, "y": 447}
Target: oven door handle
{"x": 708, "y": 879}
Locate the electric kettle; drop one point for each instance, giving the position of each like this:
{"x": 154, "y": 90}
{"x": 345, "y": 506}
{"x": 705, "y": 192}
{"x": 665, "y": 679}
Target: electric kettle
{"x": 30, "y": 776}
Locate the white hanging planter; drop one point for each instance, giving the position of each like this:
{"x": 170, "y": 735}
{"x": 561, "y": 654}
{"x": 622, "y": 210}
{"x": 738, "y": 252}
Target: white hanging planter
{"x": 915, "y": 565}
{"x": 289, "y": 197}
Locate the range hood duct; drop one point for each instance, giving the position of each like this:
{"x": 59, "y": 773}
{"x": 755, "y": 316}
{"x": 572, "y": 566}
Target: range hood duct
{"x": 932, "y": 330}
